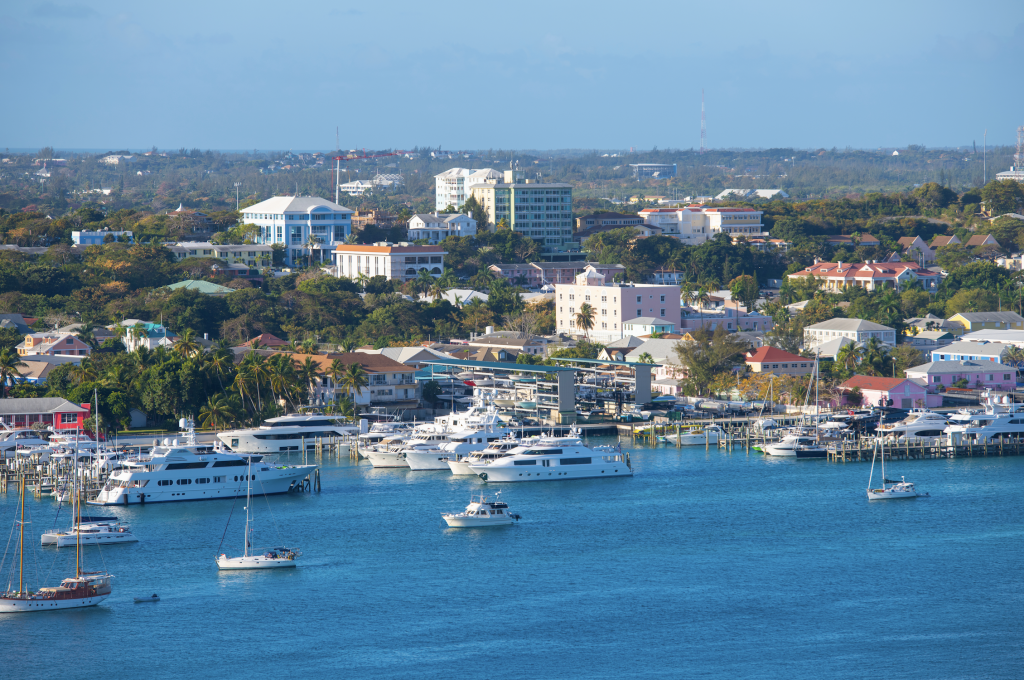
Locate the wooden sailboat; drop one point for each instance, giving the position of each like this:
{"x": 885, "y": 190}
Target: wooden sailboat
{"x": 272, "y": 558}
{"x": 84, "y": 589}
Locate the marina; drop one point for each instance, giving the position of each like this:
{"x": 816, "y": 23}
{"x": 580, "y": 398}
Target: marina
{"x": 702, "y": 553}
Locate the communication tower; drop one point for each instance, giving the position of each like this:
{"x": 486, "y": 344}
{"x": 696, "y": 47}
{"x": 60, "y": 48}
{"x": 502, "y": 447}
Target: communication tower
{"x": 1018, "y": 158}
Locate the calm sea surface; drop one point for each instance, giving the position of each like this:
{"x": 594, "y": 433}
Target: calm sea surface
{"x": 704, "y": 565}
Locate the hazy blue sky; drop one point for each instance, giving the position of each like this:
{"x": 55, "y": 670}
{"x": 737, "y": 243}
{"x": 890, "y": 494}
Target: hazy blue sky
{"x": 526, "y": 74}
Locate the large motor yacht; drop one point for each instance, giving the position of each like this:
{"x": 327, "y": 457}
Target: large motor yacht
{"x": 24, "y": 438}
{"x": 483, "y": 426}
{"x": 190, "y": 472}
{"x": 284, "y": 434}
{"x": 1001, "y": 419}
{"x": 496, "y": 449}
{"x": 920, "y": 426}
{"x": 797, "y": 446}
{"x": 422, "y": 439}
{"x": 554, "y": 458}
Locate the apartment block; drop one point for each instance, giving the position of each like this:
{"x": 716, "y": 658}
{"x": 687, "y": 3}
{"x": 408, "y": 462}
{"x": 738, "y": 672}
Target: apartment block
{"x": 303, "y": 224}
{"x": 450, "y": 187}
{"x": 613, "y": 304}
{"x": 400, "y": 261}
{"x": 542, "y": 211}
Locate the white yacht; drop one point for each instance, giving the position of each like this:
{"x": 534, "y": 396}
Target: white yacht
{"x": 797, "y": 446}
{"x": 1001, "y": 419}
{"x": 274, "y": 558}
{"x": 23, "y": 438}
{"x": 380, "y": 431}
{"x": 50, "y": 537}
{"x": 189, "y": 472}
{"x": 901, "y": 489}
{"x": 285, "y": 434}
{"x": 554, "y": 458}
{"x": 920, "y": 426}
{"x": 73, "y": 441}
{"x": 709, "y": 434}
{"x": 495, "y": 450}
{"x": 482, "y": 513}
{"x": 482, "y": 428}
{"x": 95, "y": 534}
{"x": 393, "y": 455}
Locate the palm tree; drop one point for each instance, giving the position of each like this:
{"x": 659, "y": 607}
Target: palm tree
{"x": 9, "y": 363}
{"x": 354, "y": 380}
{"x": 585, "y": 319}
{"x": 84, "y": 372}
{"x": 295, "y": 347}
{"x": 703, "y": 299}
{"x": 309, "y": 346}
{"x": 349, "y": 346}
{"x": 187, "y": 345}
{"x": 645, "y": 358}
{"x": 850, "y": 356}
{"x": 139, "y": 332}
{"x": 243, "y": 383}
{"x": 335, "y": 372}
{"x": 221, "y": 360}
{"x": 282, "y": 374}
{"x": 217, "y": 412}
{"x": 875, "y": 355}
{"x": 423, "y": 281}
{"x": 361, "y": 279}
{"x": 311, "y": 243}
{"x": 308, "y": 372}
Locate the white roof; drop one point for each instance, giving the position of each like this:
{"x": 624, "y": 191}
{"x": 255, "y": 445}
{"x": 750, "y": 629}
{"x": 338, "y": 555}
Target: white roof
{"x": 829, "y": 350}
{"x": 660, "y": 349}
{"x": 464, "y": 295}
{"x": 1012, "y": 337}
{"x": 848, "y": 325}
{"x": 977, "y": 348}
{"x": 283, "y": 204}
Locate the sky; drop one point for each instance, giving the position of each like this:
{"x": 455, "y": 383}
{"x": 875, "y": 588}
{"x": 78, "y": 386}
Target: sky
{"x": 116, "y": 74}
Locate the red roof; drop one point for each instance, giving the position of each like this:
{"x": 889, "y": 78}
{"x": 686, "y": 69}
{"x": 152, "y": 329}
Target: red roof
{"x": 869, "y": 382}
{"x": 767, "y": 353}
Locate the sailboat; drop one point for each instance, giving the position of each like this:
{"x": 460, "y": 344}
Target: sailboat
{"x": 84, "y": 589}
{"x": 273, "y": 558}
{"x": 799, "y": 443}
{"x": 900, "y": 489}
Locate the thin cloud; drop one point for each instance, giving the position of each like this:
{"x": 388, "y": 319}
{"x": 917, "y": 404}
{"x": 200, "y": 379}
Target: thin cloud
{"x": 54, "y": 11}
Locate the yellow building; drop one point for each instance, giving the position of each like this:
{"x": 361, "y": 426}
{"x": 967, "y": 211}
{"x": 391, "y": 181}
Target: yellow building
{"x": 542, "y": 211}
{"x": 976, "y": 321}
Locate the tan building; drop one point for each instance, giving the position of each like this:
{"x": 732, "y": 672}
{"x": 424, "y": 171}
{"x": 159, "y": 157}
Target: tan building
{"x": 395, "y": 261}
{"x": 250, "y": 254}
{"x": 53, "y": 344}
{"x": 774, "y": 360}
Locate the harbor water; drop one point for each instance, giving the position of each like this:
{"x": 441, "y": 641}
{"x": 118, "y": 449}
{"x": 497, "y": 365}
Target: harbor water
{"x": 705, "y": 564}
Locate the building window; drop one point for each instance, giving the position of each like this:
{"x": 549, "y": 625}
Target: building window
{"x": 663, "y": 311}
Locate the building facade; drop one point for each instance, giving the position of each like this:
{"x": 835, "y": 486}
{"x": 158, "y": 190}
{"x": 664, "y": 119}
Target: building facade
{"x": 978, "y": 374}
{"x": 687, "y": 224}
{"x": 450, "y": 187}
{"x": 97, "y": 238}
{"x": 870, "y": 275}
{"x": 54, "y": 412}
{"x": 774, "y": 360}
{"x": 903, "y": 392}
{"x": 613, "y": 305}
{"x": 302, "y": 224}
{"x": 972, "y": 351}
{"x": 1000, "y": 321}
{"x": 251, "y": 254}
{"x": 538, "y": 274}
{"x": 53, "y": 344}
{"x": 857, "y": 330}
{"x": 395, "y": 261}
{"x": 542, "y": 211}
{"x": 436, "y": 227}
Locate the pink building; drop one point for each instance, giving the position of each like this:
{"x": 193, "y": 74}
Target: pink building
{"x": 613, "y": 304}
{"x": 903, "y": 392}
{"x": 979, "y": 375}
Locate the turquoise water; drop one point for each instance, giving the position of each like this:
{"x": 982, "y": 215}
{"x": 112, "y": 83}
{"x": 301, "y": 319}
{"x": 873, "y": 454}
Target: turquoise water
{"x": 703, "y": 565}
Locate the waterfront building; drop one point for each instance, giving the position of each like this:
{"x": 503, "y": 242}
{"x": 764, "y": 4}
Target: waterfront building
{"x": 395, "y": 261}
{"x": 542, "y": 211}
{"x": 978, "y": 374}
{"x": 973, "y": 351}
{"x": 903, "y": 392}
{"x": 302, "y": 224}
{"x": 54, "y": 412}
{"x": 613, "y": 304}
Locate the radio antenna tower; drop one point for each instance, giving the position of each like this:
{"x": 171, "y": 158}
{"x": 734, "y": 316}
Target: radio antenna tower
{"x": 1018, "y": 158}
{"x": 703, "y": 125}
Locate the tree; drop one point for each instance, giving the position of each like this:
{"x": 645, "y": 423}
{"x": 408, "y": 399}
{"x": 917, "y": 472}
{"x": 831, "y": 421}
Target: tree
{"x": 308, "y": 372}
{"x": 354, "y": 380}
{"x": 9, "y": 363}
{"x": 584, "y": 319}
{"x": 524, "y": 324}
{"x": 336, "y": 372}
{"x": 1003, "y": 196}
{"x": 645, "y": 358}
{"x": 187, "y": 345}
{"x": 708, "y": 354}
{"x": 952, "y": 256}
{"x": 745, "y": 290}
{"x": 849, "y": 358}
{"x": 217, "y": 413}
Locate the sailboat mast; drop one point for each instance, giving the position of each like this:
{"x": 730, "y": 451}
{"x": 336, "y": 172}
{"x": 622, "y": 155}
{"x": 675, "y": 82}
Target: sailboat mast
{"x": 21, "y": 539}
{"x": 77, "y": 506}
{"x": 817, "y": 401}
{"x": 248, "y": 501}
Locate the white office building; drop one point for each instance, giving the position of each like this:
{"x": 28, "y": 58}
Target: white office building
{"x": 436, "y": 227}
{"x": 97, "y": 238}
{"x": 451, "y": 186}
{"x": 301, "y": 224}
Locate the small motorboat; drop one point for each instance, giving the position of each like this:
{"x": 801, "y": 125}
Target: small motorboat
{"x": 152, "y": 598}
{"x": 482, "y": 513}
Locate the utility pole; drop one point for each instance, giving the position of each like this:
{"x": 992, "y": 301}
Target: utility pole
{"x": 237, "y": 184}
{"x": 984, "y": 159}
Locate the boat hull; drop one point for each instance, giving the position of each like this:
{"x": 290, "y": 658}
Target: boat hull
{"x": 506, "y": 474}
{"x": 456, "y": 522}
{"x": 268, "y": 482}
{"x": 427, "y": 460}
{"x": 794, "y": 453}
{"x": 386, "y": 459}
{"x": 64, "y": 540}
{"x": 42, "y": 604}
{"x": 460, "y": 467}
{"x": 253, "y": 562}
{"x": 887, "y": 494}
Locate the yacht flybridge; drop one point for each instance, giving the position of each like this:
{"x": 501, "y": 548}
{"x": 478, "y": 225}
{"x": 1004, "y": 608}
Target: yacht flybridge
{"x": 190, "y": 472}
{"x": 481, "y": 513}
{"x": 494, "y": 450}
{"x": 483, "y": 426}
{"x": 920, "y": 426}
{"x": 1001, "y": 419}
{"x": 554, "y": 458}
{"x": 284, "y": 434}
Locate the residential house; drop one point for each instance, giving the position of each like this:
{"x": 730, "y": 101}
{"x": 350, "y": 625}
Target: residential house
{"x": 390, "y": 384}
{"x": 830, "y": 349}
{"x": 973, "y": 351}
{"x": 1009, "y": 337}
{"x": 616, "y": 350}
{"x": 416, "y": 357}
{"x": 982, "y": 241}
{"x": 777, "y": 361}
{"x": 304, "y": 225}
{"x": 978, "y": 374}
{"x": 484, "y": 354}
{"x": 1013, "y": 262}
{"x": 54, "y": 412}
{"x": 930, "y": 322}
{"x": 663, "y": 352}
{"x": 917, "y": 250}
{"x": 16, "y": 321}
{"x": 857, "y": 330}
{"x": 457, "y": 296}
{"x": 725, "y": 313}
{"x": 378, "y": 218}
{"x": 400, "y": 261}
{"x": 764, "y": 244}
{"x": 647, "y": 325}
{"x": 53, "y": 344}
{"x": 34, "y": 372}
{"x": 436, "y": 227}
{"x": 268, "y": 340}
{"x": 204, "y": 287}
{"x": 146, "y": 334}
{"x": 613, "y": 304}
{"x": 943, "y": 241}
{"x": 896, "y": 392}
{"x": 976, "y": 321}
{"x": 873, "y": 275}
{"x": 927, "y": 341}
